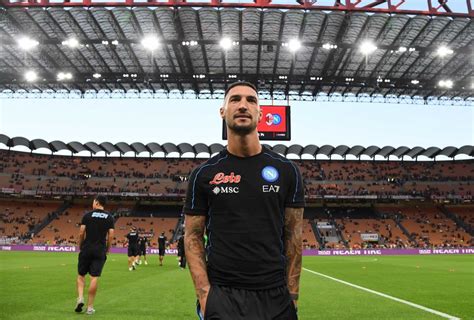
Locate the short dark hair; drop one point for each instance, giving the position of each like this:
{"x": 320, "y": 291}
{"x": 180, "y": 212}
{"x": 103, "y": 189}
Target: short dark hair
{"x": 102, "y": 200}
{"x": 240, "y": 83}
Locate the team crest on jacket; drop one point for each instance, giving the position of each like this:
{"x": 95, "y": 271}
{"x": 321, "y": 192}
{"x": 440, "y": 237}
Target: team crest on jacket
{"x": 270, "y": 174}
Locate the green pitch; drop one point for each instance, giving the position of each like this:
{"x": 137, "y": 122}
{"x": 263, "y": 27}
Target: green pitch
{"x": 42, "y": 286}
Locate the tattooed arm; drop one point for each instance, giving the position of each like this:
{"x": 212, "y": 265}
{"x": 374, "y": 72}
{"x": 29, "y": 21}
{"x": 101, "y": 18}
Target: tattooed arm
{"x": 293, "y": 249}
{"x": 194, "y": 250}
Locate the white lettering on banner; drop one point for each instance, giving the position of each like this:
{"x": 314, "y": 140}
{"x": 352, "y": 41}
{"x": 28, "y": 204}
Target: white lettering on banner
{"x": 445, "y": 251}
{"x": 347, "y": 253}
{"x": 469, "y": 250}
{"x": 167, "y": 251}
{"x": 373, "y": 252}
{"x": 99, "y": 215}
{"x": 39, "y": 248}
{"x": 68, "y": 249}
{"x": 5, "y": 248}
{"x": 424, "y": 251}
{"x": 270, "y": 188}
{"x": 324, "y": 253}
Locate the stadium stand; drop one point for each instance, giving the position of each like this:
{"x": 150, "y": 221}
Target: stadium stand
{"x": 60, "y": 174}
{"x": 165, "y": 179}
{"x": 19, "y": 217}
{"x": 428, "y": 226}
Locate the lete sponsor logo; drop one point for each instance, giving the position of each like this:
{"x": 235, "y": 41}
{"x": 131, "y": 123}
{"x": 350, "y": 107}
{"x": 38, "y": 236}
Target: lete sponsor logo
{"x": 221, "y": 177}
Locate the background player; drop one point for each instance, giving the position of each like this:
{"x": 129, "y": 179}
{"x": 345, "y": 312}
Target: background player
{"x": 142, "y": 244}
{"x": 95, "y": 237}
{"x": 162, "y": 247}
{"x": 132, "y": 238}
{"x": 181, "y": 253}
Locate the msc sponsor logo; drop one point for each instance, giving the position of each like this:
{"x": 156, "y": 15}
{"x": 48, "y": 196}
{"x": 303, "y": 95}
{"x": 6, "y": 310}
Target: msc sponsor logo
{"x": 39, "y": 248}
{"x": 6, "y": 248}
{"x": 270, "y": 188}
{"x": 218, "y": 190}
{"x": 221, "y": 177}
{"x": 100, "y": 215}
{"x": 270, "y": 174}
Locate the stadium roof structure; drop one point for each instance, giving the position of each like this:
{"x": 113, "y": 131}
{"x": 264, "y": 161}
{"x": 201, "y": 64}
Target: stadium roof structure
{"x": 198, "y": 149}
{"x": 299, "y": 50}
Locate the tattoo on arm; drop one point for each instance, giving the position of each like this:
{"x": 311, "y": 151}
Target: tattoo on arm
{"x": 293, "y": 249}
{"x": 195, "y": 254}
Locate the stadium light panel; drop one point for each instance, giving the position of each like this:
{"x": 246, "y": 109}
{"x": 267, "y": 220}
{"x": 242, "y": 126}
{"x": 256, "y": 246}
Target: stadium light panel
{"x": 367, "y": 47}
{"x": 64, "y": 76}
{"x": 446, "y": 84}
{"x": 402, "y": 49}
{"x": 225, "y": 43}
{"x": 294, "y": 45}
{"x": 71, "y": 43}
{"x": 415, "y": 81}
{"x": 444, "y": 51}
{"x": 31, "y": 76}
{"x": 97, "y": 75}
{"x": 150, "y": 43}
{"x": 26, "y": 43}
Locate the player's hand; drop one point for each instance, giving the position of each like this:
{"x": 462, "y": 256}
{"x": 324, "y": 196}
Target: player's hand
{"x": 204, "y": 293}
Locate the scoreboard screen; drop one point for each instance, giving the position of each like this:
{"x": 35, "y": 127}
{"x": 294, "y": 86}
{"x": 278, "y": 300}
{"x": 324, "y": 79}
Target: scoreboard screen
{"x": 274, "y": 125}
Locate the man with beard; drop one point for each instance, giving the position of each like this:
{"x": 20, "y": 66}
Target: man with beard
{"x": 250, "y": 202}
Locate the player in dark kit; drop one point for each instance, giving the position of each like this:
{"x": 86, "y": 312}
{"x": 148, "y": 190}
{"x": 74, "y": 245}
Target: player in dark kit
{"x": 161, "y": 247}
{"x": 181, "y": 252}
{"x": 250, "y": 201}
{"x": 142, "y": 243}
{"x": 132, "y": 252}
{"x": 95, "y": 237}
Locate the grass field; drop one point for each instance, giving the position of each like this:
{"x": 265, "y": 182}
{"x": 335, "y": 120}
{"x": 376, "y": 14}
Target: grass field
{"x": 42, "y": 286}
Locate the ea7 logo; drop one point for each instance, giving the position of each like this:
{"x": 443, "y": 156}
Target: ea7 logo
{"x": 218, "y": 190}
{"x": 270, "y": 188}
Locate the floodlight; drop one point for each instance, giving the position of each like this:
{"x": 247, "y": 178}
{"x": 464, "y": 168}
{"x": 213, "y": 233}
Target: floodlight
{"x": 97, "y": 75}
{"x": 26, "y": 43}
{"x": 294, "y": 45}
{"x": 402, "y": 49}
{"x": 444, "y": 51}
{"x": 446, "y": 83}
{"x": 415, "y": 82}
{"x": 225, "y": 43}
{"x": 31, "y": 76}
{"x": 150, "y": 43}
{"x": 367, "y": 47}
{"x": 71, "y": 43}
{"x": 64, "y": 76}
{"x": 328, "y": 46}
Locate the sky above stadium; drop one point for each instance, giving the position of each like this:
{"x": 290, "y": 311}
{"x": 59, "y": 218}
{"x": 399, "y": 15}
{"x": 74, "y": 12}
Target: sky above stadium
{"x": 193, "y": 121}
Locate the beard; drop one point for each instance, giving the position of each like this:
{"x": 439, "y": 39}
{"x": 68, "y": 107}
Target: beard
{"x": 241, "y": 130}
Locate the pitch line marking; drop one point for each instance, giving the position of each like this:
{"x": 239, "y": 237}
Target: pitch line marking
{"x": 441, "y": 314}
